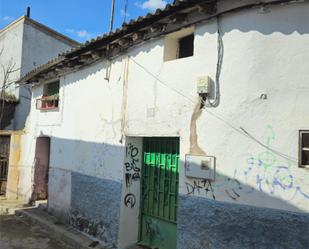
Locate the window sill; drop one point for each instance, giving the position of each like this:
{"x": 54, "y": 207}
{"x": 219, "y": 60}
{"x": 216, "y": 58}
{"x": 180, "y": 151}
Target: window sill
{"x": 51, "y": 109}
{"x": 47, "y": 103}
{"x": 178, "y": 59}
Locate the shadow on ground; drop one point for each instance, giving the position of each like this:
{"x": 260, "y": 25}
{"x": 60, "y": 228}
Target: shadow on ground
{"x": 16, "y": 233}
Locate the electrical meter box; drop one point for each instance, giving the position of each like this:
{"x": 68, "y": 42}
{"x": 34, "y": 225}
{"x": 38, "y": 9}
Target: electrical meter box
{"x": 199, "y": 166}
{"x": 203, "y": 85}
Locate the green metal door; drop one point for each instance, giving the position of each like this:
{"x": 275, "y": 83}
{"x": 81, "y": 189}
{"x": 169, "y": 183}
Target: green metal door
{"x": 160, "y": 173}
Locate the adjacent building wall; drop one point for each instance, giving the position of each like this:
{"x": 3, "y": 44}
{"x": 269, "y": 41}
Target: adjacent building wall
{"x": 258, "y": 192}
{"x": 27, "y": 44}
{"x": 24, "y": 45}
{"x": 11, "y": 46}
{"x": 39, "y": 46}
{"x": 10, "y": 58}
{"x": 13, "y": 173}
{"x": 13, "y": 164}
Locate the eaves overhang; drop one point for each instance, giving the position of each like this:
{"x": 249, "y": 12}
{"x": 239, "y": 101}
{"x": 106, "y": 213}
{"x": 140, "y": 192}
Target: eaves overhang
{"x": 173, "y": 16}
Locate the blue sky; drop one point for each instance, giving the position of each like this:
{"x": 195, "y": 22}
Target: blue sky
{"x": 78, "y": 19}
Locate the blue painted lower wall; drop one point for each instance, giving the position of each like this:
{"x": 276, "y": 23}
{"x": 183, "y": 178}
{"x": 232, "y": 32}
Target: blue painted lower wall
{"x": 95, "y": 207}
{"x": 204, "y": 223}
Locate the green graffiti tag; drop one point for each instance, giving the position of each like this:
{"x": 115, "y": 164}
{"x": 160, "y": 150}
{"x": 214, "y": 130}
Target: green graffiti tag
{"x": 272, "y": 175}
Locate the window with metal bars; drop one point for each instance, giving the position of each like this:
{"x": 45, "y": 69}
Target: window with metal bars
{"x": 160, "y": 182}
{"x": 160, "y": 177}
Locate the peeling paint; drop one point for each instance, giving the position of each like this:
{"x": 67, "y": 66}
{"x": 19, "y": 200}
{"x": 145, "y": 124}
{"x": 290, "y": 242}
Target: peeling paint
{"x": 14, "y": 170}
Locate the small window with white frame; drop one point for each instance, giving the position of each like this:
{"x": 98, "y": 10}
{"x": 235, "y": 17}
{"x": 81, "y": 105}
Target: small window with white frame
{"x": 50, "y": 98}
{"x": 304, "y": 148}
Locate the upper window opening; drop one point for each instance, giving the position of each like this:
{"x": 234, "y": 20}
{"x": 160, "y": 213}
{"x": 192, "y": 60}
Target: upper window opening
{"x": 50, "y": 98}
{"x": 304, "y": 148}
{"x": 186, "y": 46}
{"x": 179, "y": 44}
{"x": 51, "y": 89}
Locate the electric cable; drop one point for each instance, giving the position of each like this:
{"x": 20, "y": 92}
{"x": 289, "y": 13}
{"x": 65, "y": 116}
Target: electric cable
{"x": 125, "y": 10}
{"x": 239, "y": 130}
{"x": 220, "y": 52}
{"x": 159, "y": 80}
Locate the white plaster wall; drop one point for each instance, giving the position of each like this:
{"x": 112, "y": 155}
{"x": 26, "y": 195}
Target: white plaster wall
{"x": 85, "y": 131}
{"x": 11, "y": 46}
{"x": 39, "y": 47}
{"x": 263, "y": 53}
{"x": 131, "y": 204}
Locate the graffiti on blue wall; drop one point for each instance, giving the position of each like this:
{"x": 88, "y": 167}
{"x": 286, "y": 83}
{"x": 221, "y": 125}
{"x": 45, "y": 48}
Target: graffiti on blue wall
{"x": 200, "y": 185}
{"x": 272, "y": 173}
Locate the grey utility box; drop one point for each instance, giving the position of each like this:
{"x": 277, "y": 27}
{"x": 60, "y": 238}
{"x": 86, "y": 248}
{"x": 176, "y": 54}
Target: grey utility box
{"x": 200, "y": 166}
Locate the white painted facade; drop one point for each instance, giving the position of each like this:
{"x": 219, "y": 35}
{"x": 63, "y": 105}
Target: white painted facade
{"x": 265, "y": 52}
{"x": 11, "y": 47}
{"x": 28, "y": 45}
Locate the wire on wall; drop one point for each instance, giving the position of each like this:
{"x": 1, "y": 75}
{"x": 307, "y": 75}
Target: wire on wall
{"x": 220, "y": 49}
{"x": 159, "y": 80}
{"x": 239, "y": 130}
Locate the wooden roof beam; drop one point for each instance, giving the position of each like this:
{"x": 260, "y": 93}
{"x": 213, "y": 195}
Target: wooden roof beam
{"x": 207, "y": 8}
{"x": 124, "y": 42}
{"x": 157, "y": 27}
{"x": 178, "y": 18}
{"x": 96, "y": 54}
{"x": 137, "y": 36}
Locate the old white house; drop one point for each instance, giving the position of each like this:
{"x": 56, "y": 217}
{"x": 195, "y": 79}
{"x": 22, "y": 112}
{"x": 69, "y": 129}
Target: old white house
{"x": 24, "y": 45}
{"x": 186, "y": 128}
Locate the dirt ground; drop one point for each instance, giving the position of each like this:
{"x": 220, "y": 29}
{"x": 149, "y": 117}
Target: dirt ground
{"x": 16, "y": 233}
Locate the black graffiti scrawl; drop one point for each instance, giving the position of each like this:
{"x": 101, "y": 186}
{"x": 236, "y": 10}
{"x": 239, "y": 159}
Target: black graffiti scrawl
{"x": 200, "y": 185}
{"x": 132, "y": 173}
{"x": 131, "y": 167}
{"x": 130, "y": 200}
